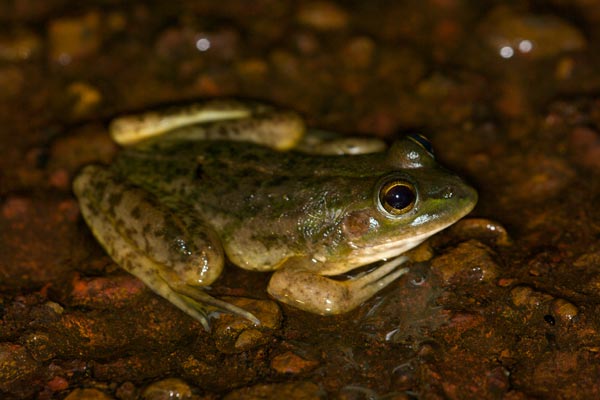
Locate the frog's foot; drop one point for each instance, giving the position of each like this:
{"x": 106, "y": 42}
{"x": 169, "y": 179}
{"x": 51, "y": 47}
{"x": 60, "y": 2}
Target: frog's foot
{"x": 174, "y": 253}
{"x": 317, "y": 141}
{"x": 309, "y": 291}
{"x": 198, "y": 302}
{"x": 213, "y": 120}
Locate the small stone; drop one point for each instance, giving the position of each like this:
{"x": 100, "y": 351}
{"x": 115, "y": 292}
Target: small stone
{"x": 252, "y": 69}
{"x": 87, "y": 394}
{"x": 106, "y": 292}
{"x": 510, "y": 33}
{"x": 168, "y": 389}
{"x": 12, "y": 81}
{"x": 288, "y": 390}
{"x": 74, "y": 37}
{"x": 16, "y": 366}
{"x": 524, "y": 296}
{"x": 564, "y": 309}
{"x": 58, "y": 384}
{"x": 585, "y": 147}
{"x": 234, "y": 334}
{"x": 127, "y": 391}
{"x": 483, "y": 229}
{"x": 86, "y": 98}
{"x": 19, "y": 46}
{"x": 358, "y": 53}
{"x": 469, "y": 262}
{"x": 322, "y": 15}
{"x": 86, "y": 145}
{"x": 291, "y": 363}
{"x": 40, "y": 346}
{"x": 547, "y": 177}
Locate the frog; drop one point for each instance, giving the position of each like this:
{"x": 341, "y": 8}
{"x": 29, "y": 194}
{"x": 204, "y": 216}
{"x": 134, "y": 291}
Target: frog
{"x": 201, "y": 185}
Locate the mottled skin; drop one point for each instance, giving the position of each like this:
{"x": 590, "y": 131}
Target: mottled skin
{"x": 224, "y": 182}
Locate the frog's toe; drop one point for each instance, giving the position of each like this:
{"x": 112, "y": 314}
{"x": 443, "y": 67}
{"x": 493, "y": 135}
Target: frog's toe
{"x": 198, "y": 302}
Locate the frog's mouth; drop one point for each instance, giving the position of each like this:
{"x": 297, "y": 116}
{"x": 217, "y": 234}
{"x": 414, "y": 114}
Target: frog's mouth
{"x": 368, "y": 254}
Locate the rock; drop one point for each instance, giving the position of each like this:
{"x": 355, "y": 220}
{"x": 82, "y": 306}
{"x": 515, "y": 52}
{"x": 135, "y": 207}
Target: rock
{"x": 12, "y": 81}
{"x": 72, "y": 38}
{"x": 88, "y": 394}
{"x": 288, "y": 391}
{"x": 88, "y": 144}
{"x": 106, "y": 292}
{"x": 235, "y": 334}
{"x": 526, "y": 297}
{"x": 19, "y": 46}
{"x": 168, "y": 389}
{"x": 468, "y": 263}
{"x": 291, "y": 363}
{"x": 358, "y": 53}
{"x": 584, "y": 143}
{"x": 37, "y": 235}
{"x": 85, "y": 98}
{"x": 322, "y": 15}
{"x": 17, "y": 368}
{"x": 564, "y": 310}
{"x": 510, "y": 33}
{"x": 482, "y": 229}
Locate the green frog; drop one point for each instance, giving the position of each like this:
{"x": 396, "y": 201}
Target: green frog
{"x": 198, "y": 184}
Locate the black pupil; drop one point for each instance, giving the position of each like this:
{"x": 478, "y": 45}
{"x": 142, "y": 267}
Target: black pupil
{"x": 399, "y": 197}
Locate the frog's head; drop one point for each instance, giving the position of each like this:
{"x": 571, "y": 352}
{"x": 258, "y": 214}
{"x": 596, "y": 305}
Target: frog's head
{"x": 414, "y": 199}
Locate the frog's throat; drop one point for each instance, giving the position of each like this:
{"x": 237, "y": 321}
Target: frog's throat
{"x": 369, "y": 254}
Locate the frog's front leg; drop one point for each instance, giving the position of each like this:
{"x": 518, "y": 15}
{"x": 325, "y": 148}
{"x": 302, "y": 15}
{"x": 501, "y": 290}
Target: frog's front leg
{"x": 175, "y": 254}
{"x": 305, "y": 289}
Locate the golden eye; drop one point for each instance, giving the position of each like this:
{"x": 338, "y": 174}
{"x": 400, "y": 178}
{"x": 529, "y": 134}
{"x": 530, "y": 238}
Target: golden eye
{"x": 397, "y": 197}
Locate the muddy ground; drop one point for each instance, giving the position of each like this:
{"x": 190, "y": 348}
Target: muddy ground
{"x": 506, "y": 307}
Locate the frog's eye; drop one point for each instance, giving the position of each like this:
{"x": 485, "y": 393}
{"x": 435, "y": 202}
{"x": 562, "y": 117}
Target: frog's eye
{"x": 397, "y": 197}
{"x": 421, "y": 141}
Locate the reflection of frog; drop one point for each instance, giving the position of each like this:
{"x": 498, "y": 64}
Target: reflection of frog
{"x": 200, "y": 182}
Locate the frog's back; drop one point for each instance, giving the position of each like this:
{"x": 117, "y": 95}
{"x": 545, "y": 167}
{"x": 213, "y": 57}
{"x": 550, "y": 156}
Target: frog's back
{"x": 221, "y": 166}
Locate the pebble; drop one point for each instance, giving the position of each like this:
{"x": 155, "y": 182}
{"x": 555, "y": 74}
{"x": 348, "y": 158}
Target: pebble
{"x": 291, "y": 363}
{"x": 127, "y": 391}
{"x": 235, "y": 334}
{"x": 524, "y": 296}
{"x": 16, "y": 366}
{"x": 467, "y": 263}
{"x": 72, "y": 38}
{"x": 86, "y": 98}
{"x": 585, "y": 147}
{"x": 510, "y": 33}
{"x": 88, "y": 394}
{"x": 482, "y": 229}
{"x": 564, "y": 309}
{"x": 322, "y": 15}
{"x": 546, "y": 178}
{"x": 57, "y": 384}
{"x": 358, "y": 53}
{"x": 105, "y": 292}
{"x": 168, "y": 389}
{"x": 19, "y": 46}
{"x": 288, "y": 390}
{"x": 12, "y": 81}
{"x": 40, "y": 346}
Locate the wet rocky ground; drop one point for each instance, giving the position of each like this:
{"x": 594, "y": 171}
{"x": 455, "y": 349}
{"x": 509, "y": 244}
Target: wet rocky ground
{"x": 504, "y": 305}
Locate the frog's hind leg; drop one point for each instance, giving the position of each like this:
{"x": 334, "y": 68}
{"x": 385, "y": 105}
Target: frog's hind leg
{"x": 175, "y": 256}
{"x": 212, "y": 120}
